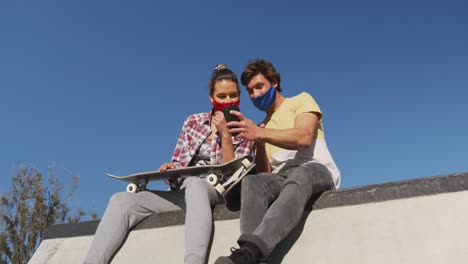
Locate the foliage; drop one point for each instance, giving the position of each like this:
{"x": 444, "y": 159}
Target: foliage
{"x": 32, "y": 205}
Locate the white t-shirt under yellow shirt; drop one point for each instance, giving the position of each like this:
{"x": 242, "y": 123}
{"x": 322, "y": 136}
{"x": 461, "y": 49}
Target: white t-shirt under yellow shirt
{"x": 284, "y": 118}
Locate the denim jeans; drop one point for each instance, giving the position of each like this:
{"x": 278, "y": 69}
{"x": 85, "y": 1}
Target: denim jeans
{"x": 272, "y": 204}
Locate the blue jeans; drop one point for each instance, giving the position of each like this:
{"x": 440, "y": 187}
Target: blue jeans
{"x": 272, "y": 204}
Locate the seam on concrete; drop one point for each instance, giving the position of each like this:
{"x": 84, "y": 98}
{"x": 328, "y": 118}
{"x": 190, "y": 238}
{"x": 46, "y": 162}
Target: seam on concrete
{"x": 54, "y": 249}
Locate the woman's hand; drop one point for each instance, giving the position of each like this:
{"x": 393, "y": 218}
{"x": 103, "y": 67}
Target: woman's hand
{"x": 166, "y": 166}
{"x": 220, "y": 123}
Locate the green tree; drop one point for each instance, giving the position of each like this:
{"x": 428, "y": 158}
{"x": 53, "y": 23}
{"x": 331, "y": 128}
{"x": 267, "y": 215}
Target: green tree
{"x": 32, "y": 205}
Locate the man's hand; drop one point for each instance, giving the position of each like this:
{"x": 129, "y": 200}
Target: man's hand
{"x": 246, "y": 128}
{"x": 166, "y": 166}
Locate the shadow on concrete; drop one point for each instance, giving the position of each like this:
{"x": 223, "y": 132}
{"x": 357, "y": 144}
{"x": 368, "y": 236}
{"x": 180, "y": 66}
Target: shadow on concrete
{"x": 208, "y": 250}
{"x": 282, "y": 249}
{"x": 120, "y": 247}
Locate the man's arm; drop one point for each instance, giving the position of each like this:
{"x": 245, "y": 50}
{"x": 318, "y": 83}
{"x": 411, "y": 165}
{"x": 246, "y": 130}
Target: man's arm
{"x": 261, "y": 160}
{"x": 301, "y": 136}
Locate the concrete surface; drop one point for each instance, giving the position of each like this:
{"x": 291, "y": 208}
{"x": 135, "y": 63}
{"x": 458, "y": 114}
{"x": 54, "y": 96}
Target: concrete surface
{"x": 416, "y": 221}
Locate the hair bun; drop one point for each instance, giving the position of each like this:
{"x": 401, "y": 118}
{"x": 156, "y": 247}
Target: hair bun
{"x": 220, "y": 67}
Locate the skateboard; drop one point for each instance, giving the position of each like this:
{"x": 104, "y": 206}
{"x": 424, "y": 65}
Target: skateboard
{"x": 232, "y": 194}
{"x": 223, "y": 177}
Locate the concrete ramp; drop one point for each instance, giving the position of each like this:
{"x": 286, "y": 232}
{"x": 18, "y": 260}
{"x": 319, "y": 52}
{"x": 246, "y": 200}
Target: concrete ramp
{"x": 416, "y": 221}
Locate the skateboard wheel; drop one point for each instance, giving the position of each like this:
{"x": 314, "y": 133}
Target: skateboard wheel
{"x": 212, "y": 179}
{"x": 246, "y": 163}
{"x": 220, "y": 188}
{"x": 132, "y": 188}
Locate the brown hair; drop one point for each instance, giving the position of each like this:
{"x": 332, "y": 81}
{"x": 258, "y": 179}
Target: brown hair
{"x": 264, "y": 67}
{"x": 222, "y": 72}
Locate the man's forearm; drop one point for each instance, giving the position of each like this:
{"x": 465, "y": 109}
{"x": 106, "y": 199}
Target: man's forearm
{"x": 261, "y": 159}
{"x": 292, "y": 139}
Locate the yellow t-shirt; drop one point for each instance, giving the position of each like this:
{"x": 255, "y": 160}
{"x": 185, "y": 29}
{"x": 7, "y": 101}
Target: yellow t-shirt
{"x": 284, "y": 118}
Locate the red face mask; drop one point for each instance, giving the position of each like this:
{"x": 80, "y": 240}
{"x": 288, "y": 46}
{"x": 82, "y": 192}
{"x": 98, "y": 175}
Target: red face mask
{"x": 220, "y": 106}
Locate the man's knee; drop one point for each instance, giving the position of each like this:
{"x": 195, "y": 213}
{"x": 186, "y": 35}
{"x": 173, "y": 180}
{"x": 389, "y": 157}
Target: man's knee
{"x": 249, "y": 180}
{"x": 253, "y": 180}
{"x": 299, "y": 176}
{"x": 318, "y": 169}
{"x": 312, "y": 177}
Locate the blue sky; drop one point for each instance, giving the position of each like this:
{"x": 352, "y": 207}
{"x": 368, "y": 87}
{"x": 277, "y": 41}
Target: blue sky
{"x": 97, "y": 87}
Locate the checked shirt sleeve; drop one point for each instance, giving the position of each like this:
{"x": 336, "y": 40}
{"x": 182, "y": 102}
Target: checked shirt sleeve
{"x": 181, "y": 147}
{"x": 180, "y": 152}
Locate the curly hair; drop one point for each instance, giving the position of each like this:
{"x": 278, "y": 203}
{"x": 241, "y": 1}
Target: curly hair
{"x": 264, "y": 67}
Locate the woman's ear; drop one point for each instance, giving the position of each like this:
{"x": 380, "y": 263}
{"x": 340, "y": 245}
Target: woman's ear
{"x": 211, "y": 99}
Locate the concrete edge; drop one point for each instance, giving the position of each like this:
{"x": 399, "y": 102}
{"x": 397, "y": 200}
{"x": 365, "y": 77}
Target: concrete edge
{"x": 344, "y": 197}
{"x": 393, "y": 190}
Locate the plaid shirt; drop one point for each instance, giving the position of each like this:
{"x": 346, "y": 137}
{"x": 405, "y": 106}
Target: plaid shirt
{"x": 195, "y": 130}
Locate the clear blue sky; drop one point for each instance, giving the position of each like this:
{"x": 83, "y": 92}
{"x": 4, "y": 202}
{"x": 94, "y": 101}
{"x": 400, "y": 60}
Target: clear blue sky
{"x": 99, "y": 87}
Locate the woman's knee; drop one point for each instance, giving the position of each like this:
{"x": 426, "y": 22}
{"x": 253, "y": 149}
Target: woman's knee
{"x": 122, "y": 201}
{"x": 195, "y": 184}
{"x": 196, "y": 189}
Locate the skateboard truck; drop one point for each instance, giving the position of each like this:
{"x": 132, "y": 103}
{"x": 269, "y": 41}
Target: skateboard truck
{"x": 214, "y": 181}
{"x": 221, "y": 187}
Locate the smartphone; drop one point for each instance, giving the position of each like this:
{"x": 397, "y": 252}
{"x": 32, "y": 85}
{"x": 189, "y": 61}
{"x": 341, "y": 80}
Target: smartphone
{"x": 230, "y": 117}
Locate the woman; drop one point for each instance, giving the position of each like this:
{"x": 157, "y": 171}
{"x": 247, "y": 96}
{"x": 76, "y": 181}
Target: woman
{"x": 203, "y": 140}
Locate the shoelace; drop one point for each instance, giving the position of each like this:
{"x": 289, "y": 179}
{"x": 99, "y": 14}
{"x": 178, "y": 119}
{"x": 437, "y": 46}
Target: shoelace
{"x": 243, "y": 255}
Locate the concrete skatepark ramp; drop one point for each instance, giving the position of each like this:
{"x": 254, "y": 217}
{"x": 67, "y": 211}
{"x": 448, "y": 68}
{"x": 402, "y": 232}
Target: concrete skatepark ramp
{"x": 415, "y": 221}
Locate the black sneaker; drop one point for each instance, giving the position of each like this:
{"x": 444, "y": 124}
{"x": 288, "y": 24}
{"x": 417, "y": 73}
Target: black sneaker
{"x": 242, "y": 255}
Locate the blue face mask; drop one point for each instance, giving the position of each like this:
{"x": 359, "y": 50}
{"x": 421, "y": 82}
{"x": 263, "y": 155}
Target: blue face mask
{"x": 265, "y": 101}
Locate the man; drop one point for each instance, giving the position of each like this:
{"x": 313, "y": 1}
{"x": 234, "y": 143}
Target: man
{"x": 293, "y": 157}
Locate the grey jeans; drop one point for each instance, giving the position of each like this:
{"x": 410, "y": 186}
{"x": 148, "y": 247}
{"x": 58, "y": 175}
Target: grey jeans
{"x": 273, "y": 204}
{"x": 125, "y": 210}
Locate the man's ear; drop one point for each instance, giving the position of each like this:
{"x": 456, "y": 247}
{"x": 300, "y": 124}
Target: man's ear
{"x": 211, "y": 99}
{"x": 274, "y": 85}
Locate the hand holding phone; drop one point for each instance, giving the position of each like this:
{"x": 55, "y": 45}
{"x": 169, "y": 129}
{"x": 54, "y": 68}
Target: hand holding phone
{"x": 229, "y": 117}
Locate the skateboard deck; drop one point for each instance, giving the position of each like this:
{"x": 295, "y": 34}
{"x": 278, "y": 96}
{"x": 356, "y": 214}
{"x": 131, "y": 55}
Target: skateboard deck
{"x": 222, "y": 176}
{"x": 233, "y": 193}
